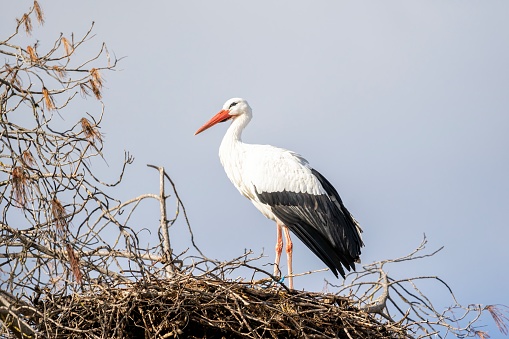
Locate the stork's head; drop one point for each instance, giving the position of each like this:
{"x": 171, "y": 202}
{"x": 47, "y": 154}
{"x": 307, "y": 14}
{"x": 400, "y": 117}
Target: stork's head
{"x": 233, "y": 108}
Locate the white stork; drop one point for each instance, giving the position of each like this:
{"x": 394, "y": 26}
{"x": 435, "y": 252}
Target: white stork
{"x": 285, "y": 188}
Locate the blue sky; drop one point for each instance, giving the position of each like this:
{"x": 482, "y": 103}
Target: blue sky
{"x": 402, "y": 105}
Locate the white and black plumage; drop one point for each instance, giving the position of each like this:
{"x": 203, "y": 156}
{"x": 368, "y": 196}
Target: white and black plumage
{"x": 285, "y": 188}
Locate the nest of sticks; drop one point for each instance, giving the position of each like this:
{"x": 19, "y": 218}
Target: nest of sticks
{"x": 187, "y": 306}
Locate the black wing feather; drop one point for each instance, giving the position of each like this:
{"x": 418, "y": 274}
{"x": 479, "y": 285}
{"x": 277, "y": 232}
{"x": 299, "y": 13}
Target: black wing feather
{"x": 350, "y": 230}
{"x": 321, "y": 222}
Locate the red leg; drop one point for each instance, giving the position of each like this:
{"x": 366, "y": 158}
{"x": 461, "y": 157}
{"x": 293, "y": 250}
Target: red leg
{"x": 279, "y": 249}
{"x": 289, "y": 251}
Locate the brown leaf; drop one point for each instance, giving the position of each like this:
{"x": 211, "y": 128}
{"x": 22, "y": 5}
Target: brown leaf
{"x": 84, "y": 89}
{"x": 59, "y": 215}
{"x": 25, "y": 19}
{"x": 67, "y": 46}
{"x": 91, "y": 132}
{"x": 19, "y": 184}
{"x": 32, "y": 54}
{"x": 48, "y": 100}
{"x": 39, "y": 14}
{"x": 27, "y": 157}
{"x": 59, "y": 71}
{"x": 482, "y": 334}
{"x": 96, "y": 77}
{"x": 75, "y": 263}
{"x": 500, "y": 318}
{"x": 96, "y": 90}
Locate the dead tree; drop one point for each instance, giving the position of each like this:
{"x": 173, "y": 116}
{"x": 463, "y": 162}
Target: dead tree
{"x": 59, "y": 227}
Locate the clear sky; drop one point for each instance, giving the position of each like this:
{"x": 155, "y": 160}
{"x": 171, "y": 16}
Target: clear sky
{"x": 402, "y": 105}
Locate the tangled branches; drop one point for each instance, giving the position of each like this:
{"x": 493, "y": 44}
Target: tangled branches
{"x": 49, "y": 186}
{"x": 188, "y": 306}
{"x": 402, "y": 301}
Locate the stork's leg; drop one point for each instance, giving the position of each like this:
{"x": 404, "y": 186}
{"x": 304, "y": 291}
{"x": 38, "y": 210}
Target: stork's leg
{"x": 289, "y": 251}
{"x": 279, "y": 249}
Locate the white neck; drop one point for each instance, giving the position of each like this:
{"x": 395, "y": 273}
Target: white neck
{"x": 234, "y": 132}
{"x": 231, "y": 149}
{"x": 233, "y": 136}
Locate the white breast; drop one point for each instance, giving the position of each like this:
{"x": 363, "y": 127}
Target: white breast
{"x": 254, "y": 169}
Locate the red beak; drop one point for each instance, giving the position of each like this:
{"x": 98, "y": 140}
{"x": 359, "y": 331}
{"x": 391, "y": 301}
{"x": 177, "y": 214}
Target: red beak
{"x": 222, "y": 116}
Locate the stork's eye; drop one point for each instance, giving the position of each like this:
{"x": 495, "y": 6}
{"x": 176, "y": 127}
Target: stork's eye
{"x": 233, "y": 104}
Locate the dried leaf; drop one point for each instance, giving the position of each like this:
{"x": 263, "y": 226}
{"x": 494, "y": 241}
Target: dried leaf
{"x": 38, "y": 12}
{"x": 75, "y": 263}
{"x": 59, "y": 215}
{"x": 500, "y": 318}
{"x": 482, "y": 334}
{"x": 84, "y": 89}
{"x": 96, "y": 82}
{"x": 91, "y": 132}
{"x": 59, "y": 71}
{"x": 19, "y": 184}
{"x": 27, "y": 157}
{"x": 32, "y": 54}
{"x": 25, "y": 19}
{"x": 96, "y": 77}
{"x": 95, "y": 89}
{"x": 67, "y": 46}
{"x": 48, "y": 100}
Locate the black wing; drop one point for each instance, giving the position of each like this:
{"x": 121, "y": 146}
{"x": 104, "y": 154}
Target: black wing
{"x": 321, "y": 222}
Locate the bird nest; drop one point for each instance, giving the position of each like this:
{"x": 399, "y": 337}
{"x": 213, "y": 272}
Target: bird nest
{"x": 192, "y": 307}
